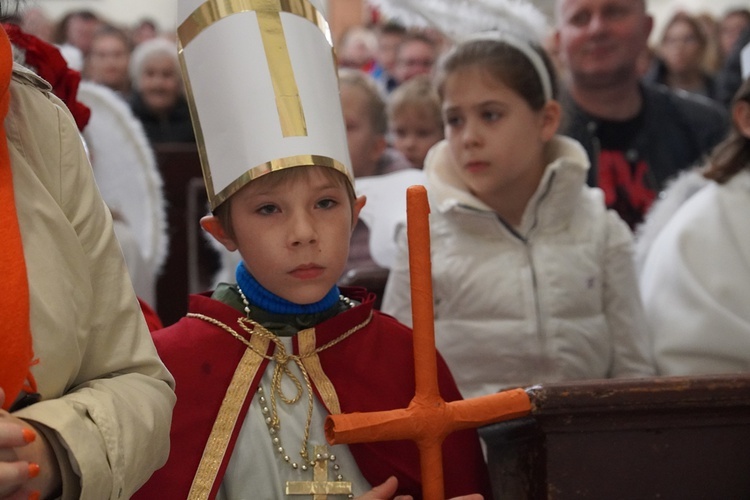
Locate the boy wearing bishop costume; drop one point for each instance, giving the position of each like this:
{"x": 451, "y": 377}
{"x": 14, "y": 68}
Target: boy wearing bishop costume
{"x": 259, "y": 364}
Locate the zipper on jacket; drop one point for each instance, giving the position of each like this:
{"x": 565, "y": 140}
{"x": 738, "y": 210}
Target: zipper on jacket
{"x": 526, "y": 242}
{"x": 534, "y": 282}
{"x": 596, "y": 145}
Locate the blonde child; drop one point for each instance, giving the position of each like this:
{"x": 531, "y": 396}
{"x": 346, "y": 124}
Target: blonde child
{"x": 260, "y": 362}
{"x": 533, "y": 276}
{"x": 415, "y": 122}
{"x": 366, "y": 125}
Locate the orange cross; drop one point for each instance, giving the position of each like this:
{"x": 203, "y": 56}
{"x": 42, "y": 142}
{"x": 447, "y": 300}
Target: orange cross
{"x": 428, "y": 419}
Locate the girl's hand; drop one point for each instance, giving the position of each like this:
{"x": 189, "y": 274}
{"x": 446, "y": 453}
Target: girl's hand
{"x": 386, "y": 490}
{"x": 28, "y": 466}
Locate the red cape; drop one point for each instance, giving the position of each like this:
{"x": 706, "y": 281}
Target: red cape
{"x": 371, "y": 370}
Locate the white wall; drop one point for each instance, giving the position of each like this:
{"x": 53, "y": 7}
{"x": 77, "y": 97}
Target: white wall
{"x": 124, "y": 12}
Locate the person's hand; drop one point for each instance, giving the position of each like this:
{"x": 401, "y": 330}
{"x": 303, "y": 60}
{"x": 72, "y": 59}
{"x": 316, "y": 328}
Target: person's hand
{"x": 386, "y": 490}
{"x": 28, "y": 467}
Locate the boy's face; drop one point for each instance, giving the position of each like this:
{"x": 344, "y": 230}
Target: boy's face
{"x": 414, "y": 133}
{"x": 365, "y": 144}
{"x": 292, "y": 235}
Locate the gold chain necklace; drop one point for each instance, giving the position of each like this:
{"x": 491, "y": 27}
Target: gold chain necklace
{"x": 282, "y": 359}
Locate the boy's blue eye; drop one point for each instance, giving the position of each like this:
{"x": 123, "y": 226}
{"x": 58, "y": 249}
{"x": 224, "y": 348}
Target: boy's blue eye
{"x": 327, "y": 203}
{"x": 267, "y": 209}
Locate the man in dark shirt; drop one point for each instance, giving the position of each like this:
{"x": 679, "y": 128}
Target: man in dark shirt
{"x": 637, "y": 136}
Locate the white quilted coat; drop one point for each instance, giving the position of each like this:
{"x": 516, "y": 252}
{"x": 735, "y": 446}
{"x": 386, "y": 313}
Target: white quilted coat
{"x": 554, "y": 299}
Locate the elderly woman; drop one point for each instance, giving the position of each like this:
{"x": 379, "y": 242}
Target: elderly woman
{"x": 158, "y": 99}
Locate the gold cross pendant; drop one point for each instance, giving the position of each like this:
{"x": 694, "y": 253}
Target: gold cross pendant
{"x": 319, "y": 487}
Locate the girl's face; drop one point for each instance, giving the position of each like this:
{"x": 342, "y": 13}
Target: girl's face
{"x": 497, "y": 140}
{"x": 159, "y": 83}
{"x": 415, "y": 131}
{"x": 681, "y": 48}
{"x": 293, "y": 235}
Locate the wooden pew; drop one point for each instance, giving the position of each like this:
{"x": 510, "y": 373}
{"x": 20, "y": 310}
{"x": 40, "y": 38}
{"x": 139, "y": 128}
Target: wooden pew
{"x": 663, "y": 438}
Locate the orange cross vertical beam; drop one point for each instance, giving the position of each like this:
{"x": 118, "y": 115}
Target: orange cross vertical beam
{"x": 428, "y": 419}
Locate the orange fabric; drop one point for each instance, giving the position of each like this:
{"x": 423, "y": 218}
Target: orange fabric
{"x": 16, "y": 353}
{"x": 429, "y": 419}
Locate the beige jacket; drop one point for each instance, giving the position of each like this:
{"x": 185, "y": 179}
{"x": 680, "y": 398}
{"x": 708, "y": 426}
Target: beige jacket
{"x": 106, "y": 397}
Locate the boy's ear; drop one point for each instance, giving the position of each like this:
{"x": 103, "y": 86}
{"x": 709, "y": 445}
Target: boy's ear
{"x": 211, "y": 224}
{"x": 359, "y": 202}
{"x": 551, "y": 116}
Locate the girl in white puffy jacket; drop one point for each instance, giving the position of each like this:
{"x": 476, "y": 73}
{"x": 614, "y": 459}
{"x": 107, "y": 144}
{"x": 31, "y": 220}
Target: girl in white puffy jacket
{"x": 533, "y": 277}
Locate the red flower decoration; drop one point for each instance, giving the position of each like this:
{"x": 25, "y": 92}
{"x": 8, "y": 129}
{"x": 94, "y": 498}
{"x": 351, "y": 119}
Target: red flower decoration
{"x": 46, "y": 61}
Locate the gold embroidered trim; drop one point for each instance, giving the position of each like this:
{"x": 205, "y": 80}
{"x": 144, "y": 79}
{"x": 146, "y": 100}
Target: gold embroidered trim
{"x": 281, "y": 358}
{"x": 226, "y": 421}
{"x": 311, "y": 361}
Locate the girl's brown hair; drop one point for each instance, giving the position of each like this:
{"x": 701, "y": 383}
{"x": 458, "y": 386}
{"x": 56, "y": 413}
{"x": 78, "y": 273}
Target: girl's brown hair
{"x": 503, "y": 62}
{"x": 733, "y": 153}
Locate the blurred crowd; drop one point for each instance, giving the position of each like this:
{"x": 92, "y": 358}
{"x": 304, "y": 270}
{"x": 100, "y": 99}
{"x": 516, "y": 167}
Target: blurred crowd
{"x": 138, "y": 62}
{"x": 645, "y": 106}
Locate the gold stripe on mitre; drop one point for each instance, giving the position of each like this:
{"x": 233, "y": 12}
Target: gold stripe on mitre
{"x": 288, "y": 102}
{"x": 216, "y": 199}
{"x": 227, "y": 420}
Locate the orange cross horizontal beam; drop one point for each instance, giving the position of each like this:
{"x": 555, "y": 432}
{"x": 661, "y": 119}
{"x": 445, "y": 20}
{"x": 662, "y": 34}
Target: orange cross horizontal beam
{"x": 428, "y": 419}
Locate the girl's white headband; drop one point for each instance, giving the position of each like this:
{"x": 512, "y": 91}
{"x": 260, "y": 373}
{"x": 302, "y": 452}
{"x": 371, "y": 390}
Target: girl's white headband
{"x": 525, "y": 48}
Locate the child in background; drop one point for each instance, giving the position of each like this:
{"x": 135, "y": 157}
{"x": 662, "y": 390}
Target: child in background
{"x": 533, "y": 276}
{"x": 261, "y": 362}
{"x": 695, "y": 277}
{"x": 366, "y": 126}
{"x": 389, "y": 36}
{"x": 414, "y": 119}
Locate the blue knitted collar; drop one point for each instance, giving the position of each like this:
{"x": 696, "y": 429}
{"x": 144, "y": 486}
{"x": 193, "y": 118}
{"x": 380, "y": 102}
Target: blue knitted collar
{"x": 259, "y": 296}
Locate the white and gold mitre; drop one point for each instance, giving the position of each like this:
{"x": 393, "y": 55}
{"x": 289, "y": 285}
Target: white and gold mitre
{"x": 262, "y": 86}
